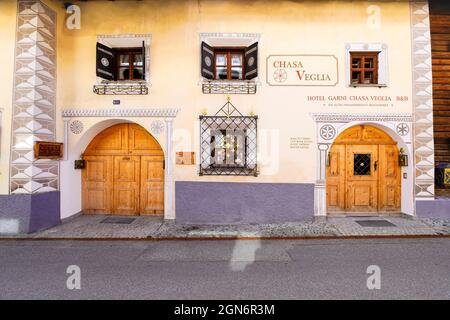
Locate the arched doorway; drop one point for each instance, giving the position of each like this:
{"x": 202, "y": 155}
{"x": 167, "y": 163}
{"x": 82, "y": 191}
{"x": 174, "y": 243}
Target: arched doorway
{"x": 124, "y": 172}
{"x": 363, "y": 173}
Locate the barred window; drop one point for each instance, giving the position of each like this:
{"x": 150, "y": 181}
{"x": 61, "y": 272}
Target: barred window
{"x": 228, "y": 144}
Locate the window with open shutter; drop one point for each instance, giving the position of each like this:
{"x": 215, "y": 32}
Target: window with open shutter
{"x": 105, "y": 62}
{"x": 143, "y": 60}
{"x": 251, "y": 61}
{"x": 226, "y": 69}
{"x": 122, "y": 66}
{"x": 207, "y": 61}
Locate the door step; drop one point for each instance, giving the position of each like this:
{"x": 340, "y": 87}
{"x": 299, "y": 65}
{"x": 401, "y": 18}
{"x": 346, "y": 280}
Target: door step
{"x": 375, "y": 223}
{"x": 118, "y": 220}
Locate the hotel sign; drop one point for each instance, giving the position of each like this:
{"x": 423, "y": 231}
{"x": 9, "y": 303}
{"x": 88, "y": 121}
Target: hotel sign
{"x": 302, "y": 70}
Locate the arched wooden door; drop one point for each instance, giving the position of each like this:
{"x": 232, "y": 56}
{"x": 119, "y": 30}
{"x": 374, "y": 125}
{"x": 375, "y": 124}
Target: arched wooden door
{"x": 124, "y": 172}
{"x": 363, "y": 173}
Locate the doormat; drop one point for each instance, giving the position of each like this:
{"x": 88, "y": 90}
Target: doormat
{"x": 374, "y": 223}
{"x": 119, "y": 220}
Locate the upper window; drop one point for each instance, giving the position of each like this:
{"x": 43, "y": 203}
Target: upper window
{"x": 225, "y": 68}
{"x": 364, "y": 67}
{"x": 119, "y": 64}
{"x": 122, "y": 59}
{"x": 229, "y": 64}
{"x": 129, "y": 64}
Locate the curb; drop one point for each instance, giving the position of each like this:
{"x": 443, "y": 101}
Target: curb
{"x": 355, "y": 237}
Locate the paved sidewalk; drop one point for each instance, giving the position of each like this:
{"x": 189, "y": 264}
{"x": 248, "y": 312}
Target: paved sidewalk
{"x": 145, "y": 227}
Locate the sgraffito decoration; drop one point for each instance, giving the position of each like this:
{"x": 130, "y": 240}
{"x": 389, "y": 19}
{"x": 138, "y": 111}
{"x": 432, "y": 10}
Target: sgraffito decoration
{"x": 33, "y": 117}
{"x": 76, "y": 127}
{"x": 422, "y": 100}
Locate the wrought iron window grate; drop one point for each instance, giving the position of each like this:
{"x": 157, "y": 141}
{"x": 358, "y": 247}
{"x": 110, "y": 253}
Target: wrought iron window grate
{"x": 228, "y": 143}
{"x": 121, "y": 88}
{"x": 361, "y": 164}
{"x": 224, "y": 87}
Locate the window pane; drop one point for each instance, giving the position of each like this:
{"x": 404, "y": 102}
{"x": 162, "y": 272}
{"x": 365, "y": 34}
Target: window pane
{"x": 361, "y": 164}
{"x": 218, "y": 148}
{"x": 356, "y": 62}
{"x": 221, "y": 60}
{"x": 138, "y": 60}
{"x": 368, "y": 77}
{"x": 124, "y": 73}
{"x": 236, "y": 73}
{"x": 368, "y": 63}
{"x": 228, "y": 148}
{"x": 236, "y": 59}
{"x": 124, "y": 60}
{"x": 221, "y": 73}
{"x": 356, "y": 77}
{"x": 240, "y": 150}
{"x": 137, "y": 73}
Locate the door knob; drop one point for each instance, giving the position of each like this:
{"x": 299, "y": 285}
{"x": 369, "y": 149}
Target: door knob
{"x": 375, "y": 165}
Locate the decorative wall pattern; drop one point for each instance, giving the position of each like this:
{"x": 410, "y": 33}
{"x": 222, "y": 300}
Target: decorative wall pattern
{"x": 147, "y": 112}
{"x": 422, "y": 100}
{"x": 33, "y": 116}
{"x": 157, "y": 127}
{"x": 76, "y": 127}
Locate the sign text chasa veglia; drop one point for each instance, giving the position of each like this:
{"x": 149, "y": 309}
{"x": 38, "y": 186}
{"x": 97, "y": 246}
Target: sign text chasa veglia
{"x": 302, "y": 74}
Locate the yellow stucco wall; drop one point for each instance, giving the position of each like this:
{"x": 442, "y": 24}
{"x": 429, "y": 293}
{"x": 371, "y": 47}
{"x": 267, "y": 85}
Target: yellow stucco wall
{"x": 8, "y": 10}
{"x": 286, "y": 27}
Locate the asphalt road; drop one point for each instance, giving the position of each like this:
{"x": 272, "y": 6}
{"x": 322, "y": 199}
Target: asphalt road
{"x": 313, "y": 269}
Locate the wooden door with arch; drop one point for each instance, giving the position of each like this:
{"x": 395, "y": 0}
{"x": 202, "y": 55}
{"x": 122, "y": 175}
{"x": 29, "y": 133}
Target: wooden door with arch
{"x": 363, "y": 173}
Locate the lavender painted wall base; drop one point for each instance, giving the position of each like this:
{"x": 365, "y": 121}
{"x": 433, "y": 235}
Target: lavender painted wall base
{"x": 27, "y": 213}
{"x": 439, "y": 208}
{"x": 240, "y": 203}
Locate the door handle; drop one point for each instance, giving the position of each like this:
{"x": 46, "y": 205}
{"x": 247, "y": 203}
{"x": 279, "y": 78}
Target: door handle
{"x": 375, "y": 165}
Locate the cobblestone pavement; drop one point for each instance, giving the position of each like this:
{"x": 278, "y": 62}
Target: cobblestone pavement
{"x": 145, "y": 227}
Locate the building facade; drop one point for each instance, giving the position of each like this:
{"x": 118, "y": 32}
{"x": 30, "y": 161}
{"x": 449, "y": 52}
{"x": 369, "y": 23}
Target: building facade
{"x": 223, "y": 112}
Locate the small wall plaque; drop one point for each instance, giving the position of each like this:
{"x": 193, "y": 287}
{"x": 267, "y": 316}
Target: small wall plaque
{"x": 48, "y": 150}
{"x": 185, "y": 158}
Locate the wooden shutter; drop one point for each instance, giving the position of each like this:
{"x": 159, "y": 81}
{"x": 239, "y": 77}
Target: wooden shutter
{"x": 207, "y": 61}
{"x": 251, "y": 61}
{"x": 105, "y": 62}
{"x": 143, "y": 60}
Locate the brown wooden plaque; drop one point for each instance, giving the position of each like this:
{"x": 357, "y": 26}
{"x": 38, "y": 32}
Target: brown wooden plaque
{"x": 48, "y": 150}
{"x": 185, "y": 158}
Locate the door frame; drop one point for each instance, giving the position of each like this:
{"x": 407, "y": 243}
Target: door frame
{"x": 331, "y": 125}
{"x": 127, "y": 141}
{"x": 82, "y": 124}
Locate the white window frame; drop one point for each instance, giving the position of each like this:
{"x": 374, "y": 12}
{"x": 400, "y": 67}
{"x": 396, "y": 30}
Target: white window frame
{"x": 123, "y": 41}
{"x": 223, "y": 40}
{"x": 383, "y": 70}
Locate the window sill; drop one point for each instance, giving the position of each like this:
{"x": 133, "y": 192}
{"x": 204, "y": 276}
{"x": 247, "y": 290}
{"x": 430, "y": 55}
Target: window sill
{"x": 228, "y": 171}
{"x": 229, "y": 86}
{"x": 367, "y": 85}
{"x": 121, "y": 88}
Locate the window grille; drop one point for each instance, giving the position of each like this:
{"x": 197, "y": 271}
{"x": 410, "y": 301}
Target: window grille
{"x": 228, "y": 143}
